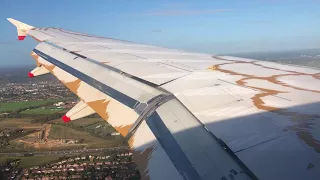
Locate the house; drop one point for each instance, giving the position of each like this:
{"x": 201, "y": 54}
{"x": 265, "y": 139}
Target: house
{"x": 76, "y": 177}
{"x": 80, "y": 169}
{"x": 71, "y": 169}
{"x": 108, "y": 178}
{"x": 59, "y": 104}
{"x": 35, "y": 167}
{"x": 45, "y": 178}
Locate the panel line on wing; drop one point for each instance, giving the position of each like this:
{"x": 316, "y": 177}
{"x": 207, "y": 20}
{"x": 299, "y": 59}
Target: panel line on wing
{"x": 171, "y": 147}
{"x": 112, "y": 68}
{"x": 151, "y": 107}
{"x": 123, "y": 98}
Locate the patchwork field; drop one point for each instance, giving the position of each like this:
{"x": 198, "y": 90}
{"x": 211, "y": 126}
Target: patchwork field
{"x": 96, "y": 127}
{"x": 15, "y": 106}
{"x": 19, "y": 123}
{"x": 27, "y": 162}
{"x": 62, "y": 132}
{"x": 83, "y": 122}
{"x": 43, "y": 110}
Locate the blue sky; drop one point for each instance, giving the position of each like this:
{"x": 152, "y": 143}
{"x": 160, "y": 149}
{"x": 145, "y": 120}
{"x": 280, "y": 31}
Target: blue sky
{"x": 227, "y": 26}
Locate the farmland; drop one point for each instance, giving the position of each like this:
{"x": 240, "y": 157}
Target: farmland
{"x": 16, "y": 106}
{"x": 83, "y": 122}
{"x": 43, "y": 110}
{"x": 96, "y": 127}
{"x": 19, "y": 123}
{"x": 62, "y": 132}
{"x": 26, "y": 162}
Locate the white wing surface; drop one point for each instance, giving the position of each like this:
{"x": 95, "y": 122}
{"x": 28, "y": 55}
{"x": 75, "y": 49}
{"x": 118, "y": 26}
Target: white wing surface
{"x": 192, "y": 115}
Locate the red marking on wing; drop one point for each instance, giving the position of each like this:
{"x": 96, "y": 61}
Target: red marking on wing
{"x": 21, "y": 38}
{"x": 30, "y": 75}
{"x": 66, "y": 119}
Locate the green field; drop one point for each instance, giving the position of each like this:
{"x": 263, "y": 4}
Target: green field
{"x": 27, "y": 162}
{"x": 96, "y": 127}
{"x": 18, "y": 122}
{"x": 62, "y": 132}
{"x": 43, "y": 110}
{"x": 14, "y": 106}
{"x": 83, "y": 122}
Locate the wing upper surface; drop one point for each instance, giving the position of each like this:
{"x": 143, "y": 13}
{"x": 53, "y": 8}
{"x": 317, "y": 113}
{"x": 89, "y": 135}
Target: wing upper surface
{"x": 262, "y": 113}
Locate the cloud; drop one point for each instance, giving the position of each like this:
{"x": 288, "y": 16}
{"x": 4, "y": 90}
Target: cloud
{"x": 260, "y": 22}
{"x": 177, "y": 4}
{"x": 5, "y": 43}
{"x": 184, "y": 12}
{"x": 156, "y": 31}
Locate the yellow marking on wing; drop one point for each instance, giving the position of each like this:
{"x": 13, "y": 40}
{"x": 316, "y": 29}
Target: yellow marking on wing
{"x": 100, "y": 106}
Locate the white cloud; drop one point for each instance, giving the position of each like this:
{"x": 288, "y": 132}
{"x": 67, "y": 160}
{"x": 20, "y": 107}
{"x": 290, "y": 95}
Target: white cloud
{"x": 184, "y": 12}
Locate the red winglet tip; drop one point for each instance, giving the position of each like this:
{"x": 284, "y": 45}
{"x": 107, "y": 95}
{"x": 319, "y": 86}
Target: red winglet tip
{"x": 21, "y": 38}
{"x": 30, "y": 75}
{"x": 66, "y": 119}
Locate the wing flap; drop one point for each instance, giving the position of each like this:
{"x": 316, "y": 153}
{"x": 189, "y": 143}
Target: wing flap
{"x": 177, "y": 129}
{"x": 121, "y": 117}
{"x": 151, "y": 157}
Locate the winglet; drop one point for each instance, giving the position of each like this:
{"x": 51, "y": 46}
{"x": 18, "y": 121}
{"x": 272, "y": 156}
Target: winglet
{"x": 22, "y": 28}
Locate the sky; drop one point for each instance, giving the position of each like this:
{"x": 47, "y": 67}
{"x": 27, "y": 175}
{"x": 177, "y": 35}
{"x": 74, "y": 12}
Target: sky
{"x": 218, "y": 27}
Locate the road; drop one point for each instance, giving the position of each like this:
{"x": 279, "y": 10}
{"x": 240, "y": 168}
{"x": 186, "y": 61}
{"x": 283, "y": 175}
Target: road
{"x": 74, "y": 151}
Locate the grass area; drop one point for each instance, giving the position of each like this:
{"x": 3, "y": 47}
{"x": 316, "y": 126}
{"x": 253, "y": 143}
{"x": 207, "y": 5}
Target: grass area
{"x": 63, "y": 132}
{"x": 83, "y": 122}
{"x": 18, "y": 123}
{"x": 14, "y": 106}
{"x": 27, "y": 162}
{"x": 43, "y": 110}
{"x": 96, "y": 127}
{"x": 34, "y": 161}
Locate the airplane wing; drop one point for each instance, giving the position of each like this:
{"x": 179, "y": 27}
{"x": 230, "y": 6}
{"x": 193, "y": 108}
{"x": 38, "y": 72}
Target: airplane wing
{"x": 190, "y": 115}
